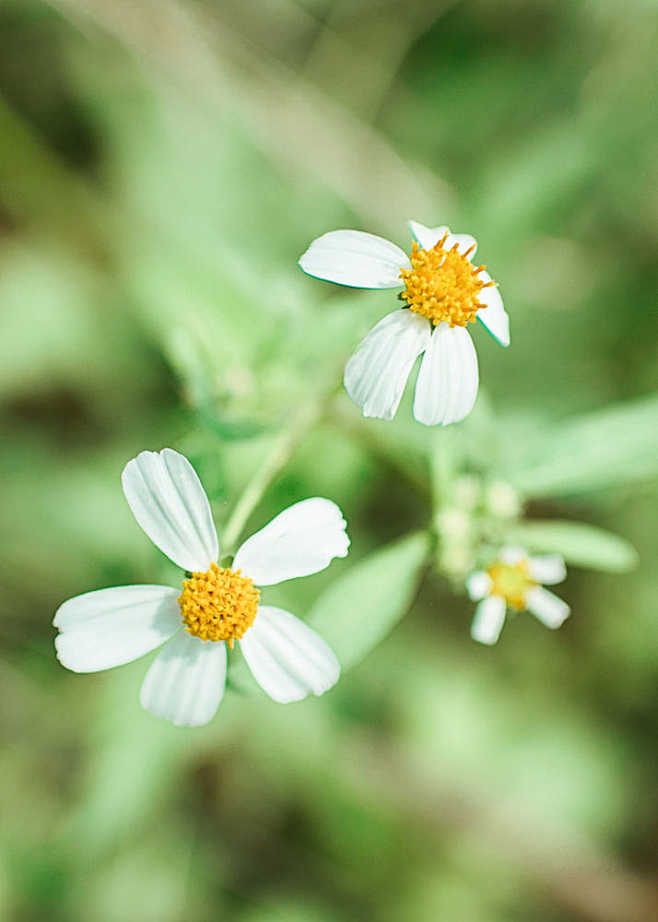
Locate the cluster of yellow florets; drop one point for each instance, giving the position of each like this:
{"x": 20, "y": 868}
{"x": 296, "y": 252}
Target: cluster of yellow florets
{"x": 512, "y": 582}
{"x": 443, "y": 285}
{"x": 219, "y": 604}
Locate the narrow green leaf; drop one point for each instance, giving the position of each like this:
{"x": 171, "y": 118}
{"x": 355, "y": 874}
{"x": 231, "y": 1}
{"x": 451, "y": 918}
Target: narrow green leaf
{"x": 581, "y": 545}
{"x": 358, "y": 610}
{"x": 590, "y": 452}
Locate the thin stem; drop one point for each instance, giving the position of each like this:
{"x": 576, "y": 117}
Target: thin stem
{"x": 278, "y": 457}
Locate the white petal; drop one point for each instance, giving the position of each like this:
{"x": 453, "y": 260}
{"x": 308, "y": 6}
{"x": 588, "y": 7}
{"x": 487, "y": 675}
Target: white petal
{"x": 376, "y": 374}
{"x": 488, "y": 621}
{"x": 512, "y": 555}
{"x": 448, "y": 379}
{"x": 548, "y": 569}
{"x": 168, "y": 501}
{"x": 428, "y": 237}
{"x": 302, "y": 539}
{"x": 493, "y": 316}
{"x": 550, "y": 610}
{"x": 287, "y": 658}
{"x": 478, "y": 585}
{"x": 110, "y": 627}
{"x": 356, "y": 259}
{"x": 185, "y": 683}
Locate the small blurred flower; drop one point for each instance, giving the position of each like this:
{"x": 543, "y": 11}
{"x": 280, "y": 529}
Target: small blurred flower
{"x": 455, "y": 559}
{"x": 185, "y": 683}
{"x": 443, "y": 292}
{"x": 453, "y": 524}
{"x": 466, "y": 491}
{"x": 513, "y": 581}
{"x": 502, "y": 500}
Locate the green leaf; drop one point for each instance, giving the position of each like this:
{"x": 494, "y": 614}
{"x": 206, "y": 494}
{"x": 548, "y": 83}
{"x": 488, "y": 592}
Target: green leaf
{"x": 590, "y": 452}
{"x": 227, "y": 429}
{"x": 358, "y": 610}
{"x": 581, "y": 545}
{"x": 134, "y": 761}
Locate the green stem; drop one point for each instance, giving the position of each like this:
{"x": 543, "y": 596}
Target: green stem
{"x": 278, "y": 457}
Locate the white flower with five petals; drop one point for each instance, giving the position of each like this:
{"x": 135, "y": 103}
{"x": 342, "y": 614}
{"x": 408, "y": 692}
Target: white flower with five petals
{"x": 443, "y": 292}
{"x": 514, "y": 581}
{"x": 185, "y": 683}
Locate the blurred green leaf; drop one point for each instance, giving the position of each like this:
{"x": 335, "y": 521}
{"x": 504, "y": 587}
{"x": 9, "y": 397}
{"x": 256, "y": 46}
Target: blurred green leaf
{"x": 150, "y": 223}
{"x": 581, "y": 545}
{"x": 133, "y": 759}
{"x": 357, "y": 611}
{"x": 229, "y": 429}
{"x": 608, "y": 448}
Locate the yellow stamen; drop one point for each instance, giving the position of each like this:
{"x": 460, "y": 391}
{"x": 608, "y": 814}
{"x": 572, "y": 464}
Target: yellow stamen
{"x": 512, "y": 582}
{"x": 443, "y": 285}
{"x": 219, "y": 604}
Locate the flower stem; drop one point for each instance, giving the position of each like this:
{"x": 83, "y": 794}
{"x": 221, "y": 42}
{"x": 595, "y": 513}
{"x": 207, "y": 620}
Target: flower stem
{"x": 303, "y": 421}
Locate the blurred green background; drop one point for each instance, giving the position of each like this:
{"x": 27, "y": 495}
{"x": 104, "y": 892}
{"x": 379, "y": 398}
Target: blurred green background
{"x": 162, "y": 166}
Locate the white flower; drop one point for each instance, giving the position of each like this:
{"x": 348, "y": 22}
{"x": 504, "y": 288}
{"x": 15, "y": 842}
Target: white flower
{"x": 513, "y": 581}
{"x": 443, "y": 292}
{"x": 185, "y": 683}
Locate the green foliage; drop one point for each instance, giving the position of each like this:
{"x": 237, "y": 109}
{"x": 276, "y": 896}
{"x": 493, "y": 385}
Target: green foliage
{"x": 359, "y": 609}
{"x": 601, "y": 450}
{"x": 162, "y": 166}
{"x": 579, "y": 544}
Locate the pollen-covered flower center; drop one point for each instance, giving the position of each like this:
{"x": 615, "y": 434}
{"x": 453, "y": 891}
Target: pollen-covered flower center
{"x": 218, "y": 604}
{"x": 443, "y": 285}
{"x": 512, "y": 582}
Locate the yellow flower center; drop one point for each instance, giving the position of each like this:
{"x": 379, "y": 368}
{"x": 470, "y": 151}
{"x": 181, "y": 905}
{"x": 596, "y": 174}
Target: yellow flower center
{"x": 443, "y": 285}
{"x": 219, "y": 604}
{"x": 511, "y": 581}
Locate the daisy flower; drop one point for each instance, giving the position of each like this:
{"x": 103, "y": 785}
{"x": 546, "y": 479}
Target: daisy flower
{"x": 443, "y": 292}
{"x": 216, "y": 605}
{"x": 514, "y": 581}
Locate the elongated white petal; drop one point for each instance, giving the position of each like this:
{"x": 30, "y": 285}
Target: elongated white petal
{"x": 376, "y": 374}
{"x": 185, "y": 683}
{"x": 546, "y": 606}
{"x": 168, "y": 501}
{"x": 448, "y": 379}
{"x": 110, "y": 627}
{"x": 478, "y": 585}
{"x": 428, "y": 237}
{"x": 302, "y": 539}
{"x": 353, "y": 258}
{"x": 548, "y": 569}
{"x": 287, "y": 658}
{"x": 488, "y": 621}
{"x": 493, "y": 316}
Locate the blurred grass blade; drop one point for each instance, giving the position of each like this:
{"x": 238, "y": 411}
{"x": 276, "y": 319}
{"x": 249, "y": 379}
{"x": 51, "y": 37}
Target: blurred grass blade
{"x": 357, "y": 611}
{"x": 580, "y": 544}
{"x": 604, "y": 449}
